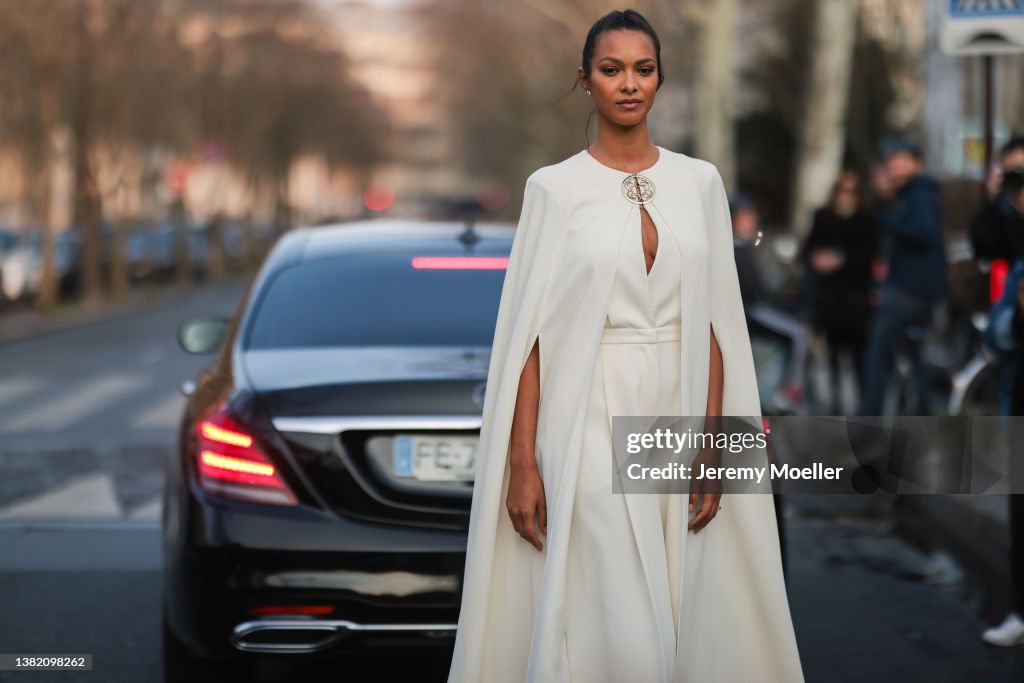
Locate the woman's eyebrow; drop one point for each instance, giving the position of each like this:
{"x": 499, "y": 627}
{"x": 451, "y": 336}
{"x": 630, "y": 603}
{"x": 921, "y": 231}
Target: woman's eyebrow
{"x": 619, "y": 61}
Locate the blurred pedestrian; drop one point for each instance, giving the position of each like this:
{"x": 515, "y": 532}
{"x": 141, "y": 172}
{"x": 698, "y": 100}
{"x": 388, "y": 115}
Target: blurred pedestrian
{"x": 1005, "y": 333}
{"x": 997, "y": 232}
{"x": 910, "y": 218}
{"x": 839, "y": 252}
{"x": 763, "y": 309}
{"x": 746, "y": 235}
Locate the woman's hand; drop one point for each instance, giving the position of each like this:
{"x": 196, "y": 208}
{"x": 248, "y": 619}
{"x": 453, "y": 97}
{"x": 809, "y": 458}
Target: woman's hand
{"x": 525, "y": 488}
{"x": 526, "y": 503}
{"x": 708, "y": 489}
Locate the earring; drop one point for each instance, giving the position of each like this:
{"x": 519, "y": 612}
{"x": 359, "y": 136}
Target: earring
{"x": 588, "y": 92}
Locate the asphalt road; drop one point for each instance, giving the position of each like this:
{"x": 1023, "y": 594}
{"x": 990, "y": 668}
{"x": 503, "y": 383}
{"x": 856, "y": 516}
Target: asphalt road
{"x": 88, "y": 414}
{"x": 865, "y": 605}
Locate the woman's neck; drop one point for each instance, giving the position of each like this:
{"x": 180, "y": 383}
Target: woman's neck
{"x": 624, "y": 147}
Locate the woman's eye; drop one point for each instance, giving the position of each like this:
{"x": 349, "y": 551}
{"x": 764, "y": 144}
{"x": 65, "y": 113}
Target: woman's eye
{"x": 647, "y": 70}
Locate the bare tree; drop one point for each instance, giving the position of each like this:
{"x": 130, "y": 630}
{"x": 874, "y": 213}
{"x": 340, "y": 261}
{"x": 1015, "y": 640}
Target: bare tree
{"x": 274, "y": 86}
{"x": 715, "y": 91}
{"x": 142, "y": 79}
{"x": 34, "y": 60}
{"x": 822, "y": 131}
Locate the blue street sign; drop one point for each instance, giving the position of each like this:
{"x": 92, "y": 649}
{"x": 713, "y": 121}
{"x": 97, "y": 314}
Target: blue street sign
{"x": 982, "y": 27}
{"x": 976, "y": 9}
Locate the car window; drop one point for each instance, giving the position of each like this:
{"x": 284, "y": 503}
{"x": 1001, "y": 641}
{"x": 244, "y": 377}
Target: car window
{"x": 375, "y": 299}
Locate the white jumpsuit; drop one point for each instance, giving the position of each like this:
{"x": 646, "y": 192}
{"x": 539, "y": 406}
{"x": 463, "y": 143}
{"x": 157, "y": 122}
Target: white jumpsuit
{"x": 610, "y": 628}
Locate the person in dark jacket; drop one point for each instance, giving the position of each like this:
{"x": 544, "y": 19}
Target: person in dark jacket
{"x": 1005, "y": 334}
{"x": 910, "y": 218}
{"x": 765, "y": 313}
{"x": 839, "y": 252}
{"x": 746, "y": 231}
{"x": 997, "y": 230}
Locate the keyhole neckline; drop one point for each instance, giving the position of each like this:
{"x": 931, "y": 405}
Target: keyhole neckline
{"x": 657, "y": 248}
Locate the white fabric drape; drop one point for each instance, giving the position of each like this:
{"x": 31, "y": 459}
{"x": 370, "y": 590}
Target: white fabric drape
{"x": 735, "y": 624}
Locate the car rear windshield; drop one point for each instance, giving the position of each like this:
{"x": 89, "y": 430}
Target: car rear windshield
{"x": 375, "y": 299}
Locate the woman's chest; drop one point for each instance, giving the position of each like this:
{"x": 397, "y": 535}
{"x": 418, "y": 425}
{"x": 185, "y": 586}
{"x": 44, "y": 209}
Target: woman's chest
{"x": 597, "y": 236}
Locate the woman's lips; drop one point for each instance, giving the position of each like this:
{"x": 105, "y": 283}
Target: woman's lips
{"x": 629, "y": 105}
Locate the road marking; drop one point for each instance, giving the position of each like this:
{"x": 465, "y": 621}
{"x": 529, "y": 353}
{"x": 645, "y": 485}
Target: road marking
{"x": 162, "y": 413}
{"x": 16, "y": 388}
{"x": 148, "y": 511}
{"x": 91, "y": 496}
{"x": 72, "y": 404}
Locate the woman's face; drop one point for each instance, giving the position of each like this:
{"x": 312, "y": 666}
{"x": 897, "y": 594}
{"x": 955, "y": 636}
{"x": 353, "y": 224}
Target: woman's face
{"x": 845, "y": 199}
{"x": 623, "y": 76}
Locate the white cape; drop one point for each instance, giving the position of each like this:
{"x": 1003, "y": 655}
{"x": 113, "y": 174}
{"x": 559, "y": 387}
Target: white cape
{"x": 735, "y": 624}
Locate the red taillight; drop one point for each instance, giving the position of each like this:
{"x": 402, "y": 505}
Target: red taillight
{"x": 291, "y": 609}
{"x": 997, "y": 279}
{"x": 231, "y": 463}
{"x": 460, "y": 262}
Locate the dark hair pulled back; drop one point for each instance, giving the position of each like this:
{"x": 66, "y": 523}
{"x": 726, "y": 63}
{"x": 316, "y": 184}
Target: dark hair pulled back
{"x": 630, "y": 20}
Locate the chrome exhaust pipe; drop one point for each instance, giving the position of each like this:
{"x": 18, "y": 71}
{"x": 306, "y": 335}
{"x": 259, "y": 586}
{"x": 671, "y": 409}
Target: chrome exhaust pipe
{"x": 312, "y": 635}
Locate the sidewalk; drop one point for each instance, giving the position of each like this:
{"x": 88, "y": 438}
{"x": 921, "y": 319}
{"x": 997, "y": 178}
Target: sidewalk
{"x": 868, "y": 606}
{"x": 22, "y": 325}
{"x": 975, "y": 529}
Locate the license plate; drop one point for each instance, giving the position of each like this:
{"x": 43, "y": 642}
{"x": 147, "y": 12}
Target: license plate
{"x": 435, "y": 458}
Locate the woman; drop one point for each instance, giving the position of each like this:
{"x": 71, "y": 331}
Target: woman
{"x": 620, "y": 298}
{"x": 839, "y": 251}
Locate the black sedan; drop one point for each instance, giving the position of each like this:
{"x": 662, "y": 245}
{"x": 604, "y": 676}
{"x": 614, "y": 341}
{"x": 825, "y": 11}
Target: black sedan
{"x": 316, "y": 506}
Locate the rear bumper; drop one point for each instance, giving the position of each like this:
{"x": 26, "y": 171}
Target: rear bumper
{"x": 316, "y": 635}
{"x": 378, "y": 587}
